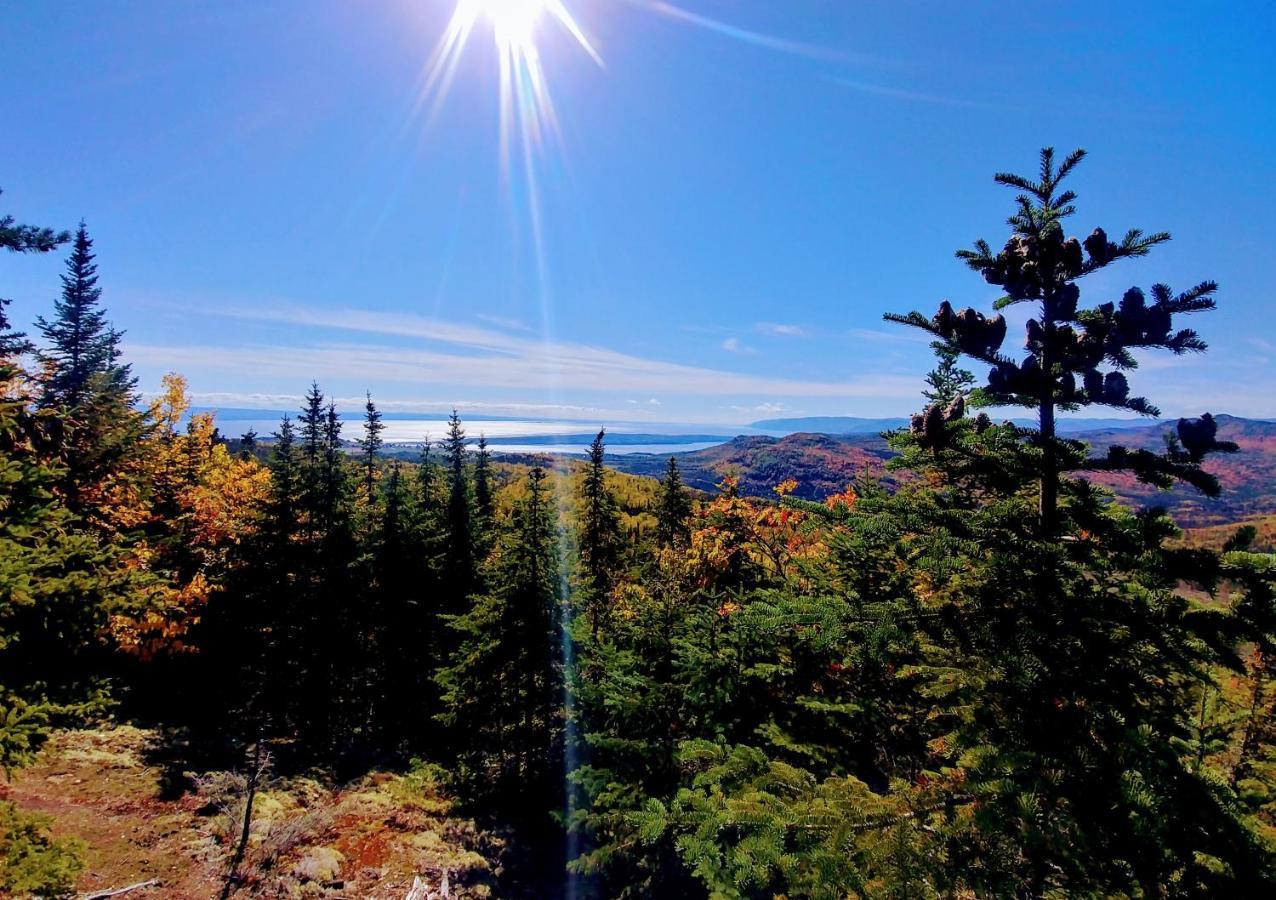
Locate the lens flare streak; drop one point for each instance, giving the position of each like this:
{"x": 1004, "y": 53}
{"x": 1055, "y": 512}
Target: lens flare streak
{"x": 525, "y": 102}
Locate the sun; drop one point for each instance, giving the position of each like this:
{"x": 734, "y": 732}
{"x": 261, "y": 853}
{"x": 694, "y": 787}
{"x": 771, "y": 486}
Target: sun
{"x": 513, "y": 21}
{"x": 514, "y": 24}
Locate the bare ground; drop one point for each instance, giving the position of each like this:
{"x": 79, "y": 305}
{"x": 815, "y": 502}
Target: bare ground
{"x": 368, "y": 839}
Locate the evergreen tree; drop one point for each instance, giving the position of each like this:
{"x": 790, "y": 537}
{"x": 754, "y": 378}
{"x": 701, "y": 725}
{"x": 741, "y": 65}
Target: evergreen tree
{"x": 502, "y": 695}
{"x": 427, "y": 480}
{"x": 406, "y": 624}
{"x": 18, "y": 238}
{"x": 60, "y": 581}
{"x": 81, "y": 375}
{"x": 1069, "y": 346}
{"x": 459, "y": 559}
{"x": 311, "y": 431}
{"x": 312, "y": 420}
{"x": 248, "y": 444}
{"x": 483, "y": 503}
{"x": 333, "y": 473}
{"x": 252, "y": 639}
{"x": 673, "y": 508}
{"x": 947, "y": 380}
{"x": 12, "y": 343}
{"x": 370, "y": 444}
{"x": 599, "y": 537}
{"x": 83, "y": 349}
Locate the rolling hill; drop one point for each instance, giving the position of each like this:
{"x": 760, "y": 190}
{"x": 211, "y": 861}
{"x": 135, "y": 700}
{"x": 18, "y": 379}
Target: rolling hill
{"x": 823, "y": 464}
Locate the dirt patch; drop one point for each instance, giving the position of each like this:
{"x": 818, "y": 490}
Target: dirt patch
{"x": 367, "y": 839}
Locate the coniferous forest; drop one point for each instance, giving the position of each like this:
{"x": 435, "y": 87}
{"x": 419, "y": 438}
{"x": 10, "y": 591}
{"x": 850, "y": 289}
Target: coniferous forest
{"x": 990, "y": 680}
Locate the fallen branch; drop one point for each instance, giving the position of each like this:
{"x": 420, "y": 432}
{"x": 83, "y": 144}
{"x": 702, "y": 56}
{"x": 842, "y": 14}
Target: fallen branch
{"x": 102, "y": 895}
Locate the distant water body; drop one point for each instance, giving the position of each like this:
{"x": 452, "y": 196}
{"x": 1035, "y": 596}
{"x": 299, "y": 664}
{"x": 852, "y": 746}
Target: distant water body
{"x": 506, "y": 435}
{"x": 581, "y": 449}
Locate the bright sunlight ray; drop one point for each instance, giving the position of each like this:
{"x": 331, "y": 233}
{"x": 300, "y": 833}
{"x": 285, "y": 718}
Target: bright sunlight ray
{"x": 524, "y": 93}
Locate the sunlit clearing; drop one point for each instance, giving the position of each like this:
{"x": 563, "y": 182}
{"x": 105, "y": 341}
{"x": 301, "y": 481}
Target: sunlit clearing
{"x": 524, "y": 95}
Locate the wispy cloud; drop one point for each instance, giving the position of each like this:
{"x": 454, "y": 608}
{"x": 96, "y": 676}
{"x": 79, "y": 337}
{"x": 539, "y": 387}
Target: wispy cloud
{"x": 901, "y": 335}
{"x": 746, "y": 36}
{"x": 777, "y": 329}
{"x": 882, "y": 90}
{"x": 506, "y": 323}
{"x": 439, "y": 352}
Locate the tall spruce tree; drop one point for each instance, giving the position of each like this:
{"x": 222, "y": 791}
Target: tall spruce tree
{"x": 60, "y": 582}
{"x": 370, "y": 444}
{"x": 459, "y": 559}
{"x": 484, "y": 502}
{"x": 599, "y": 537}
{"x": 427, "y": 480}
{"x": 1076, "y": 357}
{"x": 82, "y": 349}
{"x": 673, "y": 508}
{"x": 311, "y": 419}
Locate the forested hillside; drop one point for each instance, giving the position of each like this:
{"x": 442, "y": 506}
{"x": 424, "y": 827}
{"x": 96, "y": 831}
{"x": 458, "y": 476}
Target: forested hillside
{"x": 948, "y": 667}
{"x": 824, "y": 464}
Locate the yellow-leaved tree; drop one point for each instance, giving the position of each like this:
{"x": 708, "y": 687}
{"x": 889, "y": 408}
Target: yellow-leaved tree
{"x": 202, "y": 500}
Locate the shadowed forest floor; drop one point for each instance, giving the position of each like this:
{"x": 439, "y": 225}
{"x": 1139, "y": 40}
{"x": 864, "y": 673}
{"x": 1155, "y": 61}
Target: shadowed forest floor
{"x": 371, "y": 838}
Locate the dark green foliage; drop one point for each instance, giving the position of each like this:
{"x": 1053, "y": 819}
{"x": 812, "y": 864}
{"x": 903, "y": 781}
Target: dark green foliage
{"x": 483, "y": 500}
{"x": 82, "y": 376}
{"x": 82, "y": 349}
{"x": 599, "y": 538}
{"x": 32, "y": 863}
{"x": 17, "y": 238}
{"x": 954, "y": 700}
{"x": 673, "y": 509}
{"x": 406, "y": 606}
{"x": 248, "y": 444}
{"x": 459, "y": 562}
{"x": 947, "y": 381}
{"x": 370, "y": 445}
{"x": 61, "y": 578}
{"x": 502, "y": 694}
{"x": 12, "y": 343}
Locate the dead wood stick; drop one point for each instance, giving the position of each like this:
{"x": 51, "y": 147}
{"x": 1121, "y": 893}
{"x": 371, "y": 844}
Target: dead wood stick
{"x": 102, "y": 895}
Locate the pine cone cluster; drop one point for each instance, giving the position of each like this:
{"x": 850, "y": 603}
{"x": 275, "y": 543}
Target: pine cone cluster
{"x": 1007, "y": 379}
{"x": 930, "y": 425}
{"x": 970, "y": 330}
{"x": 1028, "y": 265}
{"x": 1102, "y": 251}
{"x": 1132, "y": 323}
{"x": 1199, "y": 437}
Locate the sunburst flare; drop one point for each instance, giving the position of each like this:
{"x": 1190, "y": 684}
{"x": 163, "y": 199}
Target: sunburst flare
{"x": 526, "y": 105}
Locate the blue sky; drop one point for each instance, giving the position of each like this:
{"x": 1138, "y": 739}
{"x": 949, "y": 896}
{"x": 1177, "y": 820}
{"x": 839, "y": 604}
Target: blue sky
{"x": 737, "y": 194}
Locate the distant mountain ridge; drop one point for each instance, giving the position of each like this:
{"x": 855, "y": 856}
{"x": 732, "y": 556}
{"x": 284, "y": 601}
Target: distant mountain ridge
{"x": 824, "y": 464}
{"x": 856, "y": 425}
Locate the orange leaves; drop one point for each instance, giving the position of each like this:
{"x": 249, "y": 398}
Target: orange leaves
{"x": 847, "y": 499}
{"x": 786, "y": 487}
{"x": 728, "y": 608}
